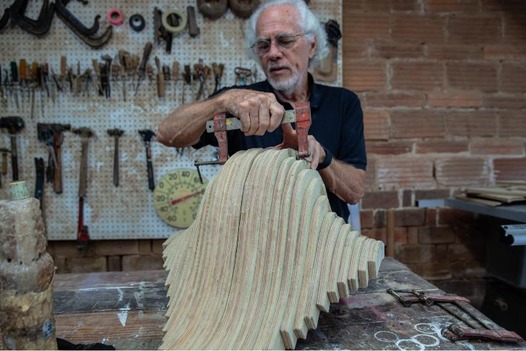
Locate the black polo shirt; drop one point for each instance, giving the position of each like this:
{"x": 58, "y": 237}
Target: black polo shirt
{"x": 336, "y": 123}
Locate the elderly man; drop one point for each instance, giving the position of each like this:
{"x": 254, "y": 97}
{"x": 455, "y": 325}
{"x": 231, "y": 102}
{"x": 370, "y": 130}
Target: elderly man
{"x": 285, "y": 37}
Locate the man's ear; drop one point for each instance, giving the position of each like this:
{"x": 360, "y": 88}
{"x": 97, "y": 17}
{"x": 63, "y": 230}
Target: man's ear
{"x": 312, "y": 50}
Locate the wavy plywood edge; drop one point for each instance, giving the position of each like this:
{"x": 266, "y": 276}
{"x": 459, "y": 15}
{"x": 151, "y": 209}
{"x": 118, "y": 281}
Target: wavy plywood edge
{"x": 263, "y": 257}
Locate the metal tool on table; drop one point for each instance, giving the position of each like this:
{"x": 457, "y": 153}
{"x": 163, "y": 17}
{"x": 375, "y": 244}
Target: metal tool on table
{"x": 52, "y": 134}
{"x": 141, "y": 70}
{"x": 460, "y": 308}
{"x": 82, "y": 230}
{"x": 116, "y": 134}
{"x": 147, "y": 136}
{"x": 13, "y": 124}
{"x": 300, "y": 115}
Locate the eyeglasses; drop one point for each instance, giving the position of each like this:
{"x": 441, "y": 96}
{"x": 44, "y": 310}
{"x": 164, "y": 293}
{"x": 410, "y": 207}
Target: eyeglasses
{"x": 283, "y": 41}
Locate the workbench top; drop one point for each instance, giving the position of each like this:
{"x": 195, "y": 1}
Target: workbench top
{"x": 126, "y": 310}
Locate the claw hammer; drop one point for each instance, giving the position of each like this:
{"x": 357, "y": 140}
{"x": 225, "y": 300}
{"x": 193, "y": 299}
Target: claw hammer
{"x": 13, "y": 124}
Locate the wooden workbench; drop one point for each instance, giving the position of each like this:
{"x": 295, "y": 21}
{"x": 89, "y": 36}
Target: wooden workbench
{"x": 126, "y": 310}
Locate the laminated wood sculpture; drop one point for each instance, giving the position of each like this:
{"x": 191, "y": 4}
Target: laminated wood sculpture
{"x": 263, "y": 257}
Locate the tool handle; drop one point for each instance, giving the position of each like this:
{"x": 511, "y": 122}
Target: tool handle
{"x": 145, "y": 56}
{"x": 116, "y": 162}
{"x": 149, "y": 168}
{"x": 14, "y": 158}
{"x": 14, "y": 72}
{"x": 39, "y": 180}
{"x": 57, "y": 174}
{"x": 83, "y": 177}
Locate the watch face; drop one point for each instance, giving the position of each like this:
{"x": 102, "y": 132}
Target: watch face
{"x": 178, "y": 195}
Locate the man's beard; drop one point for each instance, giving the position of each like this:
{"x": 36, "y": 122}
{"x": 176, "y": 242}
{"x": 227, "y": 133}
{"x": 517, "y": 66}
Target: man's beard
{"x": 285, "y": 85}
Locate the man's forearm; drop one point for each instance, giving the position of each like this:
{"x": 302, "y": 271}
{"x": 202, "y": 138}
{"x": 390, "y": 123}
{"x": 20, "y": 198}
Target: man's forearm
{"x": 344, "y": 180}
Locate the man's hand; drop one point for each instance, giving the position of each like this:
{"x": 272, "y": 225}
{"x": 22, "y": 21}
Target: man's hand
{"x": 290, "y": 141}
{"x": 258, "y": 112}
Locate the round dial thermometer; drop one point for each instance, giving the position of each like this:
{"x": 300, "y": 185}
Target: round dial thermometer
{"x": 177, "y": 197}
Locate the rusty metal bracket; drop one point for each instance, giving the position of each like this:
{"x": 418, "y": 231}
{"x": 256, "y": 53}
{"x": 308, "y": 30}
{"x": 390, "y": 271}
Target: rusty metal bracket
{"x": 37, "y": 27}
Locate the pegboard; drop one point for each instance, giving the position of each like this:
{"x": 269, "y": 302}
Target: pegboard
{"x": 126, "y": 211}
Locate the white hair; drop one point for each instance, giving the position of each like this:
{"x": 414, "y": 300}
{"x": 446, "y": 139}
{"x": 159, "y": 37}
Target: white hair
{"x": 308, "y": 22}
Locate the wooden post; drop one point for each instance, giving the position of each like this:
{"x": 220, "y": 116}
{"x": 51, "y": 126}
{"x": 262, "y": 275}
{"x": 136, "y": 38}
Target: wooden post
{"x": 26, "y": 273}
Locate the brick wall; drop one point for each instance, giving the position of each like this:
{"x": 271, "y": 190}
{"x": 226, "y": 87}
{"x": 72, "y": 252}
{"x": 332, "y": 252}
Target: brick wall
{"x": 442, "y": 84}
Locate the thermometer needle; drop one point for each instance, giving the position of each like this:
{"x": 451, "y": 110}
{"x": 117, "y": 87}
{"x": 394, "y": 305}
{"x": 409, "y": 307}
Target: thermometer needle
{"x": 186, "y": 197}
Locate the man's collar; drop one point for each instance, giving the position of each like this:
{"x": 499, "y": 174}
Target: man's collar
{"x": 315, "y": 94}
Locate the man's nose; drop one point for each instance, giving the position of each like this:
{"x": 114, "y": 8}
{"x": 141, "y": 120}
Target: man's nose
{"x": 275, "y": 49}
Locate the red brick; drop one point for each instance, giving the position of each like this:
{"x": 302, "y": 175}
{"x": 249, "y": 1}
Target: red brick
{"x": 395, "y": 99}
{"x": 470, "y": 269}
{"x": 431, "y": 194}
{"x": 377, "y": 234}
{"x": 365, "y": 25}
{"x": 114, "y": 264}
{"x": 513, "y": 78}
{"x": 400, "y": 235}
{"x": 455, "y": 52}
{"x": 432, "y": 270}
{"x": 416, "y": 253}
{"x": 417, "y": 75}
{"x": 454, "y": 99}
{"x": 511, "y": 123}
{"x": 431, "y": 217}
{"x": 420, "y": 29}
{"x": 355, "y": 50}
{"x": 376, "y": 125}
{"x": 492, "y": 146}
{"x": 141, "y": 263}
{"x": 364, "y": 76}
{"x": 504, "y": 52}
{"x": 116, "y": 247}
{"x": 441, "y": 146}
{"x": 367, "y": 5}
{"x": 407, "y": 198}
{"x": 389, "y": 50}
{"x": 514, "y": 32}
{"x": 410, "y": 217}
{"x": 474, "y": 30}
{"x": 380, "y": 219}
{"x": 380, "y": 199}
{"x": 86, "y": 264}
{"x": 508, "y": 6}
{"x": 510, "y": 168}
{"x": 399, "y": 172}
{"x": 389, "y": 148}
{"x": 66, "y": 249}
{"x": 462, "y": 171}
{"x": 406, "y": 5}
{"x": 412, "y": 235}
{"x": 157, "y": 246}
{"x": 367, "y": 219}
{"x": 145, "y": 247}
{"x": 436, "y": 235}
{"x": 60, "y": 265}
{"x": 470, "y": 252}
{"x": 469, "y": 6}
{"x": 455, "y": 218}
{"x": 516, "y": 101}
{"x": 417, "y": 124}
{"x": 471, "y": 123}
{"x": 472, "y": 76}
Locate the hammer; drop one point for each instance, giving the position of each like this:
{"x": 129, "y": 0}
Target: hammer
{"x": 13, "y": 124}
{"x": 115, "y": 133}
{"x": 147, "y": 136}
{"x": 52, "y": 135}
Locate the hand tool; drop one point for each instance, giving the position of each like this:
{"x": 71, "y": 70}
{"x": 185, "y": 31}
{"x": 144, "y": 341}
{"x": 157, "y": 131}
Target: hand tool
{"x": 5, "y": 18}
{"x": 160, "y": 78}
{"x": 212, "y": 9}
{"x": 85, "y": 134}
{"x": 147, "y": 136}
{"x": 39, "y": 181}
{"x": 201, "y": 73}
{"x": 300, "y": 115}
{"x": 15, "y": 83}
{"x": 243, "y": 8}
{"x": 193, "y": 29}
{"x": 217, "y": 69}
{"x": 37, "y": 27}
{"x": 4, "y": 152}
{"x": 22, "y": 74}
{"x": 124, "y": 60}
{"x": 13, "y": 124}
{"x": 52, "y": 134}
{"x": 115, "y": 133}
{"x": 142, "y": 67}
{"x": 108, "y": 59}
{"x": 460, "y": 308}
{"x": 63, "y": 69}
{"x": 175, "y": 76}
{"x": 2, "y": 89}
{"x": 80, "y": 30}
{"x": 187, "y": 75}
